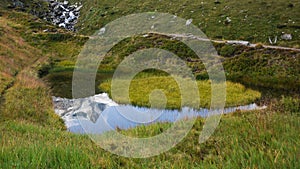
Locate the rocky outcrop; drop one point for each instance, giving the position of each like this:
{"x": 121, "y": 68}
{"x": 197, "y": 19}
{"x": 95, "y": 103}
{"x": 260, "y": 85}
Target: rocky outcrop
{"x": 60, "y": 13}
{"x": 63, "y": 14}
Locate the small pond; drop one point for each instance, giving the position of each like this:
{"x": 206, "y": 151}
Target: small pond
{"x": 99, "y": 114}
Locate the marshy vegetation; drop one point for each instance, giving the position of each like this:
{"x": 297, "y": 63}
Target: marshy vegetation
{"x": 140, "y": 90}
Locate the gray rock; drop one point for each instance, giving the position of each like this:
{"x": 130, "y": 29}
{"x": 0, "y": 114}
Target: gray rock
{"x": 228, "y": 20}
{"x": 66, "y": 3}
{"x": 188, "y": 22}
{"x": 62, "y": 25}
{"x": 63, "y": 14}
{"x": 287, "y": 36}
{"x": 102, "y": 31}
{"x": 78, "y": 8}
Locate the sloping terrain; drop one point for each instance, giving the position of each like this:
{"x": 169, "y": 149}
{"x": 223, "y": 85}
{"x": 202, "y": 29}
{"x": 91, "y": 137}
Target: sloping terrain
{"x": 251, "y": 20}
{"x": 15, "y": 54}
{"x": 24, "y": 97}
{"x": 32, "y": 136}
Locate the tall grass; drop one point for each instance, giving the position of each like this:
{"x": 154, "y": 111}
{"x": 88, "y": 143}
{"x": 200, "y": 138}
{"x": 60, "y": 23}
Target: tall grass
{"x": 5, "y": 82}
{"x": 289, "y": 105}
{"x": 261, "y": 139}
{"x": 29, "y": 100}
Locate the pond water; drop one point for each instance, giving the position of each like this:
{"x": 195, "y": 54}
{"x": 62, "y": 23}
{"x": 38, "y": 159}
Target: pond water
{"x": 99, "y": 114}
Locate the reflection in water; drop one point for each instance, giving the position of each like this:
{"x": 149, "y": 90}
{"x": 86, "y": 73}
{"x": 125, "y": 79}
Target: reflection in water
{"x": 98, "y": 114}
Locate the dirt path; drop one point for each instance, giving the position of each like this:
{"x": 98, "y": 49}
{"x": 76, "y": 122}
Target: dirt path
{"x": 217, "y": 41}
{"x": 227, "y": 41}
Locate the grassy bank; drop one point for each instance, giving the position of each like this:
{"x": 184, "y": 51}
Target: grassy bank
{"x": 262, "y": 139}
{"x": 262, "y": 68}
{"x": 29, "y": 100}
{"x": 276, "y": 69}
{"x": 24, "y": 97}
{"x": 140, "y": 90}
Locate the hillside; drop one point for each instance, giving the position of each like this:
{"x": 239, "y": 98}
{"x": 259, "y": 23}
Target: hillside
{"x": 36, "y": 64}
{"x": 251, "y": 20}
{"x": 24, "y": 97}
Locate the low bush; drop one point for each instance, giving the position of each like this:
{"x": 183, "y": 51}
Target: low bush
{"x": 44, "y": 70}
{"x": 289, "y": 105}
{"x": 228, "y": 50}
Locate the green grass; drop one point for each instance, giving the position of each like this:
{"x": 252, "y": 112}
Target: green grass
{"x": 262, "y": 139}
{"x": 26, "y": 43}
{"x": 5, "y": 82}
{"x": 266, "y": 68}
{"x": 24, "y": 97}
{"x": 60, "y": 83}
{"x": 32, "y": 105}
{"x": 140, "y": 90}
{"x": 14, "y": 51}
{"x": 289, "y": 105}
{"x": 58, "y": 44}
{"x": 252, "y": 20}
{"x": 32, "y": 136}
{"x": 29, "y": 100}
{"x": 276, "y": 69}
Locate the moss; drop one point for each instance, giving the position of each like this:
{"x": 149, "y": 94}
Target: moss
{"x": 141, "y": 88}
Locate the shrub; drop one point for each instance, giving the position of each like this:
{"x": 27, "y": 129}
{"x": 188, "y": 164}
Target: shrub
{"x": 44, "y": 70}
{"x": 227, "y": 50}
{"x": 289, "y": 105}
{"x": 59, "y": 37}
{"x": 202, "y": 76}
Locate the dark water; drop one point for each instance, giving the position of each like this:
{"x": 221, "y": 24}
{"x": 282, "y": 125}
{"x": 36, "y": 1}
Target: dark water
{"x": 61, "y": 83}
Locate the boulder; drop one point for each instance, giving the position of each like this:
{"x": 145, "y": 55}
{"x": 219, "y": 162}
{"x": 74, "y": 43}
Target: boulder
{"x": 287, "y": 37}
